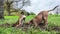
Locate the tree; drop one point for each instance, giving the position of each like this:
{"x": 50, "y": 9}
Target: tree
{"x": 8, "y": 6}
{"x": 15, "y": 3}
{"x": 1, "y": 9}
{"x": 32, "y": 13}
{"x": 19, "y": 4}
{"x": 28, "y": 13}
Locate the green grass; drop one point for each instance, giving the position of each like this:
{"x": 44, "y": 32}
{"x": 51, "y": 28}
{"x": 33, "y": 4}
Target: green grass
{"x": 52, "y": 19}
{"x": 55, "y": 19}
{"x": 9, "y": 19}
{"x": 30, "y": 17}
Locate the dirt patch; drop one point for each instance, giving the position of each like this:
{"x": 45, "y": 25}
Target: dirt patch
{"x": 4, "y": 25}
{"x": 26, "y": 27}
{"x": 55, "y": 28}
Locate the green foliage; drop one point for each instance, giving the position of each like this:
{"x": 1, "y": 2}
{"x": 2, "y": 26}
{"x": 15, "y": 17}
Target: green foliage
{"x": 32, "y": 13}
{"x": 55, "y": 19}
{"x": 30, "y": 17}
{"x": 9, "y": 19}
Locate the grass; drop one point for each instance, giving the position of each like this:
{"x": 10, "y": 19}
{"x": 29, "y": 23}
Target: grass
{"x": 52, "y": 19}
{"x": 9, "y": 19}
{"x": 55, "y": 19}
{"x": 30, "y": 17}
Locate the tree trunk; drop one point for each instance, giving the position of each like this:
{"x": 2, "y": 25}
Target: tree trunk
{"x": 8, "y": 9}
{"x": 1, "y": 9}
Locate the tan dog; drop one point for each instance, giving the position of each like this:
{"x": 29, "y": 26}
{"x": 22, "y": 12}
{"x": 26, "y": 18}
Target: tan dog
{"x": 20, "y": 19}
{"x": 41, "y": 17}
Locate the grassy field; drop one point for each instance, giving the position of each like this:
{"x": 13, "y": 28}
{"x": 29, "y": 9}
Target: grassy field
{"x": 53, "y": 20}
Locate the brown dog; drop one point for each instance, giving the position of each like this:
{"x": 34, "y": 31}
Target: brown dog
{"x": 41, "y": 17}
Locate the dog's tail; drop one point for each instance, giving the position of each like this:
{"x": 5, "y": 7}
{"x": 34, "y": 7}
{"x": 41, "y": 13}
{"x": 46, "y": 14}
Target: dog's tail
{"x": 53, "y": 8}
